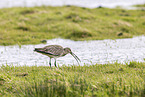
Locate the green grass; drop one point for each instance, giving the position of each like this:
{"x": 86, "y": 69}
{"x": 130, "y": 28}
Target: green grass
{"x": 143, "y": 5}
{"x": 32, "y": 25}
{"x": 109, "y": 80}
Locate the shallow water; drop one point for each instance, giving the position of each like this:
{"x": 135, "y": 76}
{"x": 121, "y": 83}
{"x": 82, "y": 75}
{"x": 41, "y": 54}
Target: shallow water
{"x": 82, "y": 3}
{"x": 90, "y": 52}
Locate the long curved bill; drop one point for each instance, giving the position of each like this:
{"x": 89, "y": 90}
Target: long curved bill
{"x": 77, "y": 59}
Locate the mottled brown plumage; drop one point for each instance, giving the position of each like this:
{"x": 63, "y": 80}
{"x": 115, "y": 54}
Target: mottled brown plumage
{"x": 55, "y": 51}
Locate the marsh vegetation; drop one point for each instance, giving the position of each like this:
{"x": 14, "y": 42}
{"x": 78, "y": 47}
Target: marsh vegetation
{"x": 74, "y": 81}
{"x": 33, "y": 25}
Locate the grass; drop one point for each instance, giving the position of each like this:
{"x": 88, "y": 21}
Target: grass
{"x": 143, "y": 5}
{"x": 33, "y": 25}
{"x": 109, "y": 80}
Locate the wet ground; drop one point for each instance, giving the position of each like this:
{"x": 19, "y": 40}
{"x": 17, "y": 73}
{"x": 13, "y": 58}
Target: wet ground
{"x": 90, "y": 52}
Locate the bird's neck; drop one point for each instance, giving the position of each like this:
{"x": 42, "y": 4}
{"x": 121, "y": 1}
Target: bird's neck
{"x": 64, "y": 53}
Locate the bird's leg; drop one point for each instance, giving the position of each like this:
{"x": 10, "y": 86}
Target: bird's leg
{"x": 50, "y": 62}
{"x": 55, "y": 63}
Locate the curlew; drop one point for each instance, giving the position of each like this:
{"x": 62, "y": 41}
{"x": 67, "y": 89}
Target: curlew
{"x": 55, "y": 51}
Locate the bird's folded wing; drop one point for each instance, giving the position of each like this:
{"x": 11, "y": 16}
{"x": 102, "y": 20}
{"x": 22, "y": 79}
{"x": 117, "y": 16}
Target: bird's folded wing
{"x": 56, "y": 51}
{"x": 51, "y": 50}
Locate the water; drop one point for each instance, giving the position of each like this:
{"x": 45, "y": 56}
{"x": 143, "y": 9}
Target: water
{"x": 82, "y": 3}
{"x": 90, "y": 52}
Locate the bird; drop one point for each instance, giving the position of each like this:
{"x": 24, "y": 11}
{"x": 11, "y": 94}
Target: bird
{"x": 55, "y": 51}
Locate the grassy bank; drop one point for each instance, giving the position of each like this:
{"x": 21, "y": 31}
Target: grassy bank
{"x": 143, "y": 5}
{"x": 127, "y": 80}
{"x": 32, "y": 25}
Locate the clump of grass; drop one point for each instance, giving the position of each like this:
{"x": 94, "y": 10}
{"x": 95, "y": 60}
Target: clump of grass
{"x": 71, "y": 81}
{"x": 23, "y": 28}
{"x": 32, "y": 25}
{"x": 132, "y": 64}
{"x": 56, "y": 87}
{"x": 78, "y": 32}
{"x": 141, "y": 5}
{"x": 2, "y": 81}
{"x": 74, "y": 17}
{"x": 27, "y": 11}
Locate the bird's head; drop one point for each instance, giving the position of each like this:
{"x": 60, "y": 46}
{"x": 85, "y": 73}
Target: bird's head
{"x": 68, "y": 50}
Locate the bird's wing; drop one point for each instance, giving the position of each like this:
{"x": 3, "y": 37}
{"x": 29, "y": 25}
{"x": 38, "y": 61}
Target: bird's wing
{"x": 51, "y": 49}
